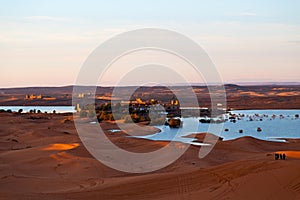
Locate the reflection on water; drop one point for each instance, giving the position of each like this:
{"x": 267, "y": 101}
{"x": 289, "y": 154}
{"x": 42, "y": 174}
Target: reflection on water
{"x": 272, "y": 125}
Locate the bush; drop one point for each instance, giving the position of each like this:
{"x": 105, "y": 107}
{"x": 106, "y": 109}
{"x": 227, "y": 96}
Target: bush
{"x": 117, "y": 116}
{"x": 111, "y": 117}
{"x": 175, "y": 123}
{"x": 92, "y": 114}
{"x": 128, "y": 119}
{"x": 105, "y": 116}
{"x": 83, "y": 114}
{"x": 158, "y": 121}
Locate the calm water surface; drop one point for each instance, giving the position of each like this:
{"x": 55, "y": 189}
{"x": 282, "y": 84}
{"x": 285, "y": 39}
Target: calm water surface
{"x": 274, "y": 124}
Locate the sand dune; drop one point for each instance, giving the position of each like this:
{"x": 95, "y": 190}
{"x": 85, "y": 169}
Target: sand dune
{"x": 290, "y": 154}
{"x": 58, "y": 147}
{"x": 45, "y": 159}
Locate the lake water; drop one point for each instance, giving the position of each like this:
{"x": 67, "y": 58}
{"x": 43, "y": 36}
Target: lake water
{"x": 48, "y": 109}
{"x": 274, "y": 124}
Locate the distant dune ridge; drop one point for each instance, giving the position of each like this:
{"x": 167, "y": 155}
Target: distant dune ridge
{"x": 43, "y": 158}
{"x": 273, "y": 96}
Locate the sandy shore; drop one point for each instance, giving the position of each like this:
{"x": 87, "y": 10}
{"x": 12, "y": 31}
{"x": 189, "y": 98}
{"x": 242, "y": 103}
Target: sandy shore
{"x": 43, "y": 158}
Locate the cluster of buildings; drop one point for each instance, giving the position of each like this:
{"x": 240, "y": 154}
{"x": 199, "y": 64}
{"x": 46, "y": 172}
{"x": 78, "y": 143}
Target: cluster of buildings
{"x": 172, "y": 109}
{"x": 33, "y": 97}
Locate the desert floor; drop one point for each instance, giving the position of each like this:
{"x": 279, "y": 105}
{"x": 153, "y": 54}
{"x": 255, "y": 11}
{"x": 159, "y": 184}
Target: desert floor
{"x": 42, "y": 157}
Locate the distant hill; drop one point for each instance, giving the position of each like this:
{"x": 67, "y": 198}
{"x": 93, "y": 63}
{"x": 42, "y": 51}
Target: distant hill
{"x": 267, "y": 83}
{"x": 48, "y": 90}
{"x": 251, "y": 96}
{"x": 101, "y": 90}
{"x": 37, "y": 90}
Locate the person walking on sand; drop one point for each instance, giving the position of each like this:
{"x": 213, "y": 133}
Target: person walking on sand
{"x": 283, "y": 156}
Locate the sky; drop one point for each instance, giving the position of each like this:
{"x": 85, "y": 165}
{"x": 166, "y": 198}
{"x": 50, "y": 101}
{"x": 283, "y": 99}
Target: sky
{"x": 45, "y": 43}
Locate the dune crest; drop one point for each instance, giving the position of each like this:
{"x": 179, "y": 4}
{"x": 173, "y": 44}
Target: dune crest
{"x": 290, "y": 154}
{"x": 58, "y": 147}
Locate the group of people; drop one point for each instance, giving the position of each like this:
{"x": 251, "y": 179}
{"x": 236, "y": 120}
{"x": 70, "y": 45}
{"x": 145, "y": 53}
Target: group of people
{"x": 280, "y": 156}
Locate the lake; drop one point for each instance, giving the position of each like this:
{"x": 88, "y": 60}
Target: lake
{"x": 48, "y": 109}
{"x": 274, "y": 124}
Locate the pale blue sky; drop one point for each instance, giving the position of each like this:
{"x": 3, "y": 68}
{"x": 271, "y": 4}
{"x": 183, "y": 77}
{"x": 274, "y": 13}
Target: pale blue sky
{"x": 46, "y": 42}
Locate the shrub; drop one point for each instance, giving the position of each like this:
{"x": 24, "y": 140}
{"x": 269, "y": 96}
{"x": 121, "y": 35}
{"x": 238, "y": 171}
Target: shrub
{"x": 92, "y": 114}
{"x": 175, "y": 123}
{"x": 158, "y": 121}
{"x": 105, "y": 116}
{"x": 128, "y": 119}
{"x": 83, "y": 114}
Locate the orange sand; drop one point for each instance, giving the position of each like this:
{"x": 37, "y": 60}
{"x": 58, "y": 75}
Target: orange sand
{"x": 45, "y": 159}
{"x": 58, "y": 147}
{"x": 290, "y": 154}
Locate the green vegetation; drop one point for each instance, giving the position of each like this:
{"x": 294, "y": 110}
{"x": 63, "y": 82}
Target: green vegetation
{"x": 105, "y": 112}
{"x": 174, "y": 123}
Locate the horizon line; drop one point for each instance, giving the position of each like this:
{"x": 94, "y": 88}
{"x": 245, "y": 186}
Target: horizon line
{"x": 246, "y": 83}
